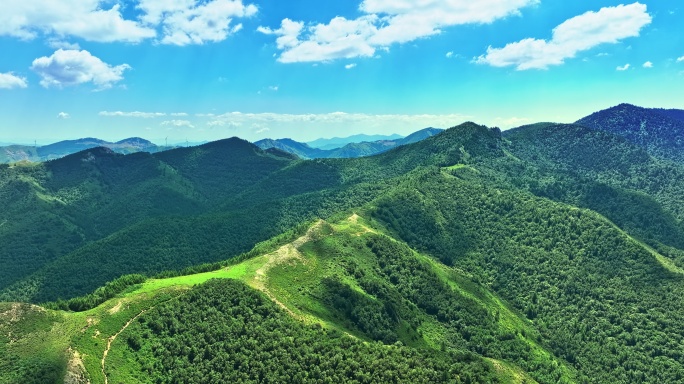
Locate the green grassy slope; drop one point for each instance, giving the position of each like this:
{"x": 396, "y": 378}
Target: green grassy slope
{"x": 305, "y": 279}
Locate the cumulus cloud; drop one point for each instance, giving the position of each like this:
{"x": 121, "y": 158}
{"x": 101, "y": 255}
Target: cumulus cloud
{"x": 449, "y": 54}
{"x": 11, "y": 81}
{"x": 648, "y": 64}
{"x": 71, "y": 67}
{"x": 178, "y": 123}
{"x": 623, "y": 67}
{"x": 186, "y": 22}
{"x": 86, "y": 19}
{"x": 580, "y": 33}
{"x": 350, "y": 66}
{"x": 179, "y": 22}
{"x": 63, "y": 115}
{"x": 385, "y": 22}
{"x": 144, "y": 115}
{"x": 680, "y": 59}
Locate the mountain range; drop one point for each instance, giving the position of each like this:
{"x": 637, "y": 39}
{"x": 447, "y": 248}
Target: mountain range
{"x": 14, "y": 153}
{"x": 348, "y": 150}
{"x": 549, "y": 253}
{"x": 352, "y": 146}
{"x": 338, "y": 142}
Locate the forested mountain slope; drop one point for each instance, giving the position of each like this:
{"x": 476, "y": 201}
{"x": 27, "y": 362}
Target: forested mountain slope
{"x": 606, "y": 173}
{"x": 551, "y": 252}
{"x": 56, "y": 207}
{"x": 660, "y": 132}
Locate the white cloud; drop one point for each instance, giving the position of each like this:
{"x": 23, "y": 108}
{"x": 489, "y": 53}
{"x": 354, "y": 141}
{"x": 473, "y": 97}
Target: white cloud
{"x": 273, "y": 88}
{"x": 580, "y": 33}
{"x": 179, "y": 114}
{"x": 86, "y": 19}
{"x": 189, "y": 22}
{"x": 178, "y": 123}
{"x": 449, "y": 55}
{"x": 11, "y": 81}
{"x": 144, "y": 115}
{"x": 648, "y": 64}
{"x": 272, "y": 120}
{"x": 384, "y": 23}
{"x": 179, "y": 22}
{"x": 63, "y": 115}
{"x": 680, "y": 59}
{"x": 350, "y": 66}
{"x": 70, "y": 67}
{"x": 623, "y": 68}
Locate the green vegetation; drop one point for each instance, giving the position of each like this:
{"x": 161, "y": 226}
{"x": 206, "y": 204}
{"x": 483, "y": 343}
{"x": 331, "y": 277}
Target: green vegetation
{"x": 550, "y": 253}
{"x": 227, "y": 332}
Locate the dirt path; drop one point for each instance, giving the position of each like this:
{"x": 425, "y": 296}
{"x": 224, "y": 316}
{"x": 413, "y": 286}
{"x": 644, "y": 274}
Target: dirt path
{"x": 354, "y": 219}
{"x": 284, "y": 254}
{"x": 112, "y": 338}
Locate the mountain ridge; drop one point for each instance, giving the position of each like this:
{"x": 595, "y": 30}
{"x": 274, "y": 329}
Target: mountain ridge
{"x": 349, "y": 149}
{"x": 14, "y": 153}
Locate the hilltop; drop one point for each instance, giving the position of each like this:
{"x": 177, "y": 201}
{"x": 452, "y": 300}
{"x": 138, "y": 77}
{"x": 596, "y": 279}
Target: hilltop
{"x": 659, "y": 131}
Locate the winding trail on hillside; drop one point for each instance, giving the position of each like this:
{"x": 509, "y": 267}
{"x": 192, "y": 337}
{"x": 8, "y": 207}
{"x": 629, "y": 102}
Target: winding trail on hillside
{"x": 283, "y": 254}
{"x": 113, "y": 337}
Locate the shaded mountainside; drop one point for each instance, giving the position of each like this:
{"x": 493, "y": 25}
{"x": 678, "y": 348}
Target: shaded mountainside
{"x": 660, "y": 132}
{"x": 606, "y": 173}
{"x": 549, "y": 253}
{"x": 71, "y": 202}
{"x": 348, "y": 150}
{"x": 14, "y": 153}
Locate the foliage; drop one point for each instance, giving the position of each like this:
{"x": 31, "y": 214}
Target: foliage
{"x": 224, "y": 331}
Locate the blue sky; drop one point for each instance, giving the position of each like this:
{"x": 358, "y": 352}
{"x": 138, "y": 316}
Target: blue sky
{"x": 211, "y": 69}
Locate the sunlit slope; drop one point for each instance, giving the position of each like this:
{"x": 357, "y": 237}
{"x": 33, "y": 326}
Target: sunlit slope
{"x": 337, "y": 276}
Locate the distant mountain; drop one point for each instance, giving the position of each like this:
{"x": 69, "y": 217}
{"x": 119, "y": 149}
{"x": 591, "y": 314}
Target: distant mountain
{"x": 13, "y": 153}
{"x": 659, "y": 131}
{"x": 302, "y": 150}
{"x": 419, "y": 135}
{"x": 350, "y": 150}
{"x": 339, "y": 142}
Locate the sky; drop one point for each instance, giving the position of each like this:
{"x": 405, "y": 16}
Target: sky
{"x": 201, "y": 70}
